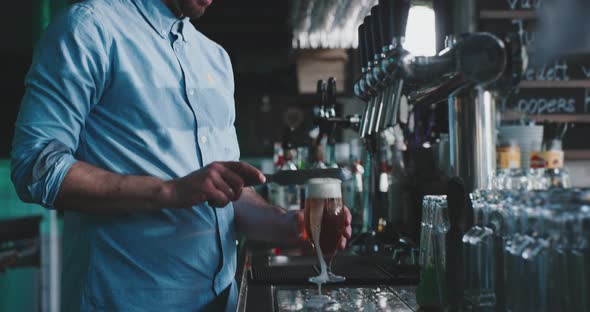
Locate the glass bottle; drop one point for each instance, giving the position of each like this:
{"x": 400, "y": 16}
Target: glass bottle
{"x": 431, "y": 292}
{"x": 555, "y": 173}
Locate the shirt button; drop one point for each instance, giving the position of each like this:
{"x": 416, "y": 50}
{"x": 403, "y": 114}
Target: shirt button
{"x": 163, "y": 32}
{"x": 203, "y": 139}
{"x": 191, "y": 92}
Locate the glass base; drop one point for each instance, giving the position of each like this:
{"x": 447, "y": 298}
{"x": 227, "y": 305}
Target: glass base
{"x": 333, "y": 278}
{"x": 320, "y": 279}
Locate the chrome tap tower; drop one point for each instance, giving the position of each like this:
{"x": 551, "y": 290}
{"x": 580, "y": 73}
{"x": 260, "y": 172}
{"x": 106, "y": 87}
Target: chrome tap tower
{"x": 470, "y": 74}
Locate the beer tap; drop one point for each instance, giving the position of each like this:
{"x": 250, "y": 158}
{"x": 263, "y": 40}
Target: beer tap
{"x": 380, "y": 43}
{"x": 394, "y": 18}
{"x": 373, "y": 81}
{"x": 331, "y": 98}
{"x": 360, "y": 89}
{"x": 365, "y": 82}
{"x": 380, "y": 85}
{"x": 325, "y": 112}
{"x": 320, "y": 110}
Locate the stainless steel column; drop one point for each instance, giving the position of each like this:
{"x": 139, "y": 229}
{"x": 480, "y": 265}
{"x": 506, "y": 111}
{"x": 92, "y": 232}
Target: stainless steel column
{"x": 471, "y": 117}
{"x": 472, "y": 136}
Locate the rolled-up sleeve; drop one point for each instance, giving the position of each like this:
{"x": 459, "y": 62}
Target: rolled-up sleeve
{"x": 66, "y": 79}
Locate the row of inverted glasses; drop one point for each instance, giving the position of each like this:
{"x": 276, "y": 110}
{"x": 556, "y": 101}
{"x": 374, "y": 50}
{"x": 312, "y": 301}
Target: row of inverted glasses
{"x": 530, "y": 179}
{"x": 528, "y": 250}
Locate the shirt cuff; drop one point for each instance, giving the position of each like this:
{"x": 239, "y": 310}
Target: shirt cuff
{"x": 45, "y": 189}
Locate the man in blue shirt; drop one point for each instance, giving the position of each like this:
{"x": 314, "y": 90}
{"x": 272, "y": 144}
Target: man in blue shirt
{"x": 127, "y": 125}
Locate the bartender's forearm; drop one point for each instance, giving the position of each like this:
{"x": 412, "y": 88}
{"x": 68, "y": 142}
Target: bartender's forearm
{"x": 260, "y": 221}
{"x": 90, "y": 189}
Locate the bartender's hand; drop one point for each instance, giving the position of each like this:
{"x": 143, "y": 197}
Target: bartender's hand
{"x": 298, "y": 221}
{"x": 218, "y": 183}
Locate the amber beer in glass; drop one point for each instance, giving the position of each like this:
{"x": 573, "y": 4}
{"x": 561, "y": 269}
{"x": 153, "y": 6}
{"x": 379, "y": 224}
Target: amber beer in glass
{"x": 324, "y": 223}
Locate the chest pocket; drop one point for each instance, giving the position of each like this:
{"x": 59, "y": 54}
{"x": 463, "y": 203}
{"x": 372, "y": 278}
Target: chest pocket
{"x": 217, "y": 107}
{"x": 219, "y": 144}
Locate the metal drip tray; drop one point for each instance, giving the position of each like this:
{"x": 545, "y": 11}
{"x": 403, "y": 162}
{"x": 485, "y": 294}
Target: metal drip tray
{"x": 280, "y": 275}
{"x": 271, "y": 283}
{"x": 353, "y": 299}
{"x": 357, "y": 272}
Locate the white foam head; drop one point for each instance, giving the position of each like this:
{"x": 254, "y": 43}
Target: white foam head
{"x": 323, "y": 188}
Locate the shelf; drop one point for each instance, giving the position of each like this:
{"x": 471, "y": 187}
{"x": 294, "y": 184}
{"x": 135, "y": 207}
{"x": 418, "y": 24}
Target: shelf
{"x": 571, "y": 118}
{"x": 555, "y": 84}
{"x": 507, "y": 14}
{"x": 576, "y": 154}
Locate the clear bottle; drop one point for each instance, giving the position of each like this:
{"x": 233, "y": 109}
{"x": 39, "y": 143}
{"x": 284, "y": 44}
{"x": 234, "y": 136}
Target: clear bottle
{"x": 292, "y": 193}
{"x": 508, "y": 162}
{"x": 277, "y": 155}
{"x": 478, "y": 254}
{"x": 397, "y": 199}
{"x": 317, "y": 150}
{"x": 302, "y": 158}
{"x": 555, "y": 173}
{"x": 276, "y": 193}
{"x": 431, "y": 292}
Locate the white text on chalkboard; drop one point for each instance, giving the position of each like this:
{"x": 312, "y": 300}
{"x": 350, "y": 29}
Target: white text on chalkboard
{"x": 526, "y": 36}
{"x": 540, "y": 106}
{"x": 524, "y": 4}
{"x": 555, "y": 71}
{"x": 586, "y": 100}
{"x": 586, "y": 71}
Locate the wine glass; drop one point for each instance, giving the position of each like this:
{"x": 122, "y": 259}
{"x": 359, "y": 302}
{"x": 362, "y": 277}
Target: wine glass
{"x": 324, "y": 222}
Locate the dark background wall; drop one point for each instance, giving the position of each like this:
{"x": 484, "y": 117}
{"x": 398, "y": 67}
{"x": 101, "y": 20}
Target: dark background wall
{"x": 16, "y": 31}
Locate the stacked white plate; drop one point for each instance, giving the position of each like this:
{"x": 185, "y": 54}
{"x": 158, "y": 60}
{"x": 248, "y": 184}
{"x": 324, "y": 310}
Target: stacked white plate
{"x": 529, "y": 138}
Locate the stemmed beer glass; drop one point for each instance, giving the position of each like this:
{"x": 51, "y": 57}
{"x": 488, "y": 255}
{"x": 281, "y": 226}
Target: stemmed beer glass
{"x": 324, "y": 222}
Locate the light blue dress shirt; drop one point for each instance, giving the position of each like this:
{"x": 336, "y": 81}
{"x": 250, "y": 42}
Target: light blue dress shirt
{"x": 126, "y": 86}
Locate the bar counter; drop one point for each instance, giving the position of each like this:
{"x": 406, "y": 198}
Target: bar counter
{"x": 273, "y": 280}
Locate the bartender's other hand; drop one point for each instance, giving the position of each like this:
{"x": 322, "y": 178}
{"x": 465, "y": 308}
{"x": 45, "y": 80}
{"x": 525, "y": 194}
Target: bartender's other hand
{"x": 347, "y": 233}
{"x": 218, "y": 183}
{"x": 297, "y": 218}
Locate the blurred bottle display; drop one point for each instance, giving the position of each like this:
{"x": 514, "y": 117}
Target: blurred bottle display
{"x": 528, "y": 251}
{"x": 544, "y": 162}
{"x": 285, "y": 156}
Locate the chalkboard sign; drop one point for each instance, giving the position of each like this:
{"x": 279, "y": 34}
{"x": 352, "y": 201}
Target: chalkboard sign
{"x": 509, "y": 5}
{"x": 550, "y": 101}
{"x": 558, "y": 91}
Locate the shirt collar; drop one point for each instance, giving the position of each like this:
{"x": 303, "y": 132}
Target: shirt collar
{"x": 158, "y": 15}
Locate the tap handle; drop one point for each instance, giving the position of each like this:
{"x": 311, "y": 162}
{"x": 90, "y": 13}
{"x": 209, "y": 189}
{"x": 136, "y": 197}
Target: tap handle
{"x": 377, "y": 28}
{"x": 400, "y": 11}
{"x": 321, "y": 92}
{"x": 374, "y": 33}
{"x": 386, "y": 20}
{"x": 331, "y": 96}
{"x": 362, "y": 46}
{"x": 367, "y": 40}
